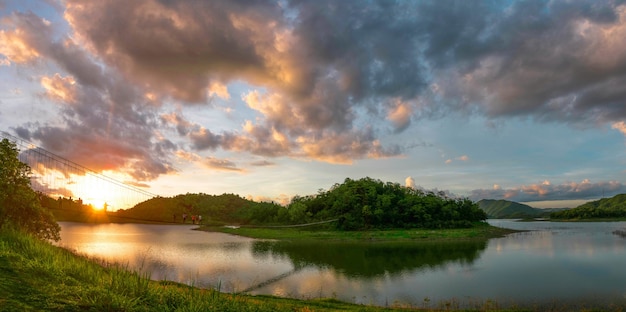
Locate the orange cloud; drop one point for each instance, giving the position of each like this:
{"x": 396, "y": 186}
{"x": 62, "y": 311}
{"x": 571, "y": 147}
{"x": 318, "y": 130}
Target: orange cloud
{"x": 619, "y": 126}
{"x": 400, "y": 114}
{"x": 60, "y": 88}
{"x": 15, "y": 47}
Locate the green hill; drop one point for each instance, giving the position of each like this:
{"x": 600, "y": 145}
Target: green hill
{"x": 614, "y": 207}
{"x": 214, "y": 209}
{"x": 504, "y": 209}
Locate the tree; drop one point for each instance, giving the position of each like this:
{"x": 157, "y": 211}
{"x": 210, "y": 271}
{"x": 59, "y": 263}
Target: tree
{"x": 20, "y": 206}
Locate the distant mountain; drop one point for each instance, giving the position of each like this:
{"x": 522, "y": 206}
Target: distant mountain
{"x": 614, "y": 207}
{"x": 615, "y": 202}
{"x": 504, "y": 209}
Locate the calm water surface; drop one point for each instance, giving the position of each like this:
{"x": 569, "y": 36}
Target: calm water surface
{"x": 553, "y": 262}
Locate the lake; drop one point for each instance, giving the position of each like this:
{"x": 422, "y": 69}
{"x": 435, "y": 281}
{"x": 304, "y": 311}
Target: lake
{"x": 554, "y": 263}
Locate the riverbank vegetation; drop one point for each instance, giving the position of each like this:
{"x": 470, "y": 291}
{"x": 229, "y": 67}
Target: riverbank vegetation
{"x": 20, "y": 205}
{"x": 480, "y": 231}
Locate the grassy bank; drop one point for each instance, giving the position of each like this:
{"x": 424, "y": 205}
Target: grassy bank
{"x": 37, "y": 276}
{"x": 479, "y": 231}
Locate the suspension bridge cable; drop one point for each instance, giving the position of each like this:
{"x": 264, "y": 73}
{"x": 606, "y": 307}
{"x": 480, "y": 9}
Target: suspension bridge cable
{"x": 44, "y": 162}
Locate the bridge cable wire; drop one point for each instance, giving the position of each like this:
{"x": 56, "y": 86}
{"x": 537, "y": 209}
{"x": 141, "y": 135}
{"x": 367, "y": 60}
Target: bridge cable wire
{"x": 44, "y": 163}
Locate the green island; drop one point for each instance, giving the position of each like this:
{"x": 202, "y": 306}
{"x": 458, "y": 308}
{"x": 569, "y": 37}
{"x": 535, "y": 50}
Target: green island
{"x": 480, "y": 231}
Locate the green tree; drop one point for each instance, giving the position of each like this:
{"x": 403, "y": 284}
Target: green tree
{"x": 20, "y": 206}
{"x": 370, "y": 203}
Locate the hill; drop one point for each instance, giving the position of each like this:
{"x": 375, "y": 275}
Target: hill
{"x": 504, "y": 209}
{"x": 214, "y": 209}
{"x": 614, "y": 207}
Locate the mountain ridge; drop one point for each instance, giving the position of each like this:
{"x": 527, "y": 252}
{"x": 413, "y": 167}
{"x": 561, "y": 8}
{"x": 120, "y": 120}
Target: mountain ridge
{"x": 505, "y": 209}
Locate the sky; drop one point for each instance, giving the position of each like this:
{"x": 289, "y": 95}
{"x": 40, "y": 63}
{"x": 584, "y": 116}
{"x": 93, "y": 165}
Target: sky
{"x": 515, "y": 100}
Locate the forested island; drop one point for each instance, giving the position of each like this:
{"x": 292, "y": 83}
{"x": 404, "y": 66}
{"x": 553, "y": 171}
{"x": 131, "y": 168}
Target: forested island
{"x": 353, "y": 205}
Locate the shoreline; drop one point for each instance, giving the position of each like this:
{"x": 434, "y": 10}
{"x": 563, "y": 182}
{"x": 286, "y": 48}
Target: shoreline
{"x": 478, "y": 232}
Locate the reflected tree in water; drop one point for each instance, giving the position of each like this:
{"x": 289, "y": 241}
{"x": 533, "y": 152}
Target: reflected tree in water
{"x": 369, "y": 260}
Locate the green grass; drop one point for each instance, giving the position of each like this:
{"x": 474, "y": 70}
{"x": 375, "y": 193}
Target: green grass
{"x": 479, "y": 231}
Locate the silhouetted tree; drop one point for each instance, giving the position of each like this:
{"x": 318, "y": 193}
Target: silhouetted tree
{"x": 20, "y": 206}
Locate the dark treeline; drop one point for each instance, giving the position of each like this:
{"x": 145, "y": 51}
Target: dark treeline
{"x": 68, "y": 209}
{"x": 214, "y": 209}
{"x": 614, "y": 207}
{"x": 372, "y": 204}
{"x": 355, "y": 204}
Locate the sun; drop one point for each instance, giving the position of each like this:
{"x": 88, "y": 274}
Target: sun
{"x": 97, "y": 204}
{"x": 94, "y": 192}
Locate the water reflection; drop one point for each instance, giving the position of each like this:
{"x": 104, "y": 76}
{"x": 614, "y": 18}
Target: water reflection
{"x": 369, "y": 260}
{"x": 620, "y": 233}
{"x": 551, "y": 262}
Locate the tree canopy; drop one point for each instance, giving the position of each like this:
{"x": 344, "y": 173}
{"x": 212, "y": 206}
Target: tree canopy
{"x": 20, "y": 205}
{"x": 369, "y": 203}
{"x": 355, "y": 204}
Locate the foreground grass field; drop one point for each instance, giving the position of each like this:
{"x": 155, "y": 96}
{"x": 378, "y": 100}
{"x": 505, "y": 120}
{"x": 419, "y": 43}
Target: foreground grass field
{"x": 479, "y": 231}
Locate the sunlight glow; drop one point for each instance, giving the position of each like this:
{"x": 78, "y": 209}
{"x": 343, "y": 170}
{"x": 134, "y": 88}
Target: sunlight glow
{"x": 86, "y": 188}
{"x": 96, "y": 204}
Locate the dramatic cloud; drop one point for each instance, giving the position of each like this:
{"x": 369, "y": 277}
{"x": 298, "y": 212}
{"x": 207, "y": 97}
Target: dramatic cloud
{"x": 203, "y": 46}
{"x": 555, "y": 61}
{"x": 400, "y": 115}
{"x": 334, "y": 81}
{"x": 106, "y": 123}
{"x": 548, "y": 191}
{"x": 60, "y": 88}
{"x": 15, "y": 44}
